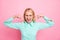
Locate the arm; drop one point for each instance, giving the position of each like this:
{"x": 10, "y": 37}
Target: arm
{"x": 48, "y": 23}
{"x": 10, "y": 24}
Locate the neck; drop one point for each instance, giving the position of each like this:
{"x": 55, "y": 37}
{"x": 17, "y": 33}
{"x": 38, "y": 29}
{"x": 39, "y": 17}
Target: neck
{"x": 28, "y": 22}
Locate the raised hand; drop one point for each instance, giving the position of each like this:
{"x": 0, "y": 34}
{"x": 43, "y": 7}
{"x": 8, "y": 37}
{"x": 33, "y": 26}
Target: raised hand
{"x": 16, "y": 16}
{"x": 40, "y": 16}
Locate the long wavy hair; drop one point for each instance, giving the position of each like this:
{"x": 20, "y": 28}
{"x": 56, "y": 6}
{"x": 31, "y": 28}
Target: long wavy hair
{"x": 29, "y": 9}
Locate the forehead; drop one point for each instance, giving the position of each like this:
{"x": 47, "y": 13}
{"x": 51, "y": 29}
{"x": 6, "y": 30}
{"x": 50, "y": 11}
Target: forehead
{"x": 29, "y": 12}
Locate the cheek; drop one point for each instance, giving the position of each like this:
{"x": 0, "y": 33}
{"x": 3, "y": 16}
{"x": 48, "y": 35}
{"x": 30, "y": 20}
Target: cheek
{"x": 32, "y": 17}
{"x": 25, "y": 17}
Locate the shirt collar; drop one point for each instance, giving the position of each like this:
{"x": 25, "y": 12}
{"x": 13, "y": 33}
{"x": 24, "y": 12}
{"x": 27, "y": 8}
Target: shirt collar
{"x": 28, "y": 23}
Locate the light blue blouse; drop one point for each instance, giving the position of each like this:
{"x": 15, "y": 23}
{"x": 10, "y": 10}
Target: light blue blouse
{"x": 29, "y": 30}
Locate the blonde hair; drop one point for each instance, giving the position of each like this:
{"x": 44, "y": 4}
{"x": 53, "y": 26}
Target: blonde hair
{"x": 29, "y": 9}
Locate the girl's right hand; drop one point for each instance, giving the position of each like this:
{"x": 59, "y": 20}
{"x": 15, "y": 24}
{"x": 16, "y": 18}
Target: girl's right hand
{"x": 16, "y": 16}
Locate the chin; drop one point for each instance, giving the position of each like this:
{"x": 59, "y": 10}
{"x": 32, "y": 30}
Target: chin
{"x": 29, "y": 21}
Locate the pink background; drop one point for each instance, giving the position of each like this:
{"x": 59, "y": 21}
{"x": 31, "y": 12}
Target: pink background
{"x": 50, "y": 8}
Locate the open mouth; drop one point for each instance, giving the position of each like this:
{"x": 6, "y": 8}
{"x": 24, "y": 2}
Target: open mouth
{"x": 28, "y": 19}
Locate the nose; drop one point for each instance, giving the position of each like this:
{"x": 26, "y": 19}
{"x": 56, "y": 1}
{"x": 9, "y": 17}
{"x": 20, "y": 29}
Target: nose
{"x": 28, "y": 16}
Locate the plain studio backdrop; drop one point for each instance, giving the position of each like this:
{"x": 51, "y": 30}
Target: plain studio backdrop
{"x": 49, "y": 8}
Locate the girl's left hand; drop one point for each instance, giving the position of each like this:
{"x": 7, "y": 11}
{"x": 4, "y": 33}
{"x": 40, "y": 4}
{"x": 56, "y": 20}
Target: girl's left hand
{"x": 40, "y": 16}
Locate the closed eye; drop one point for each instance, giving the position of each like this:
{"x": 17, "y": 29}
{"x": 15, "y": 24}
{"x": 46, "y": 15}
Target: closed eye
{"x": 30, "y": 15}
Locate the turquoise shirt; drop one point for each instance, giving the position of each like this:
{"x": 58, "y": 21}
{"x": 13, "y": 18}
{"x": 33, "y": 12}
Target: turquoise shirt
{"x": 29, "y": 30}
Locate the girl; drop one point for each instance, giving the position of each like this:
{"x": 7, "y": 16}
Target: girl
{"x": 29, "y": 27}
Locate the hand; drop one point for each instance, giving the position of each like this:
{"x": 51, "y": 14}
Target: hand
{"x": 16, "y": 16}
{"x": 40, "y": 16}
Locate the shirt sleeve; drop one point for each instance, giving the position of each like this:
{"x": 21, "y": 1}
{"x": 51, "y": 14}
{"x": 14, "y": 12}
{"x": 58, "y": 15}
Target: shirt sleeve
{"x": 10, "y": 24}
{"x": 49, "y": 23}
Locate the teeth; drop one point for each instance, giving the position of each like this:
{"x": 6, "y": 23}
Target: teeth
{"x": 28, "y": 20}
